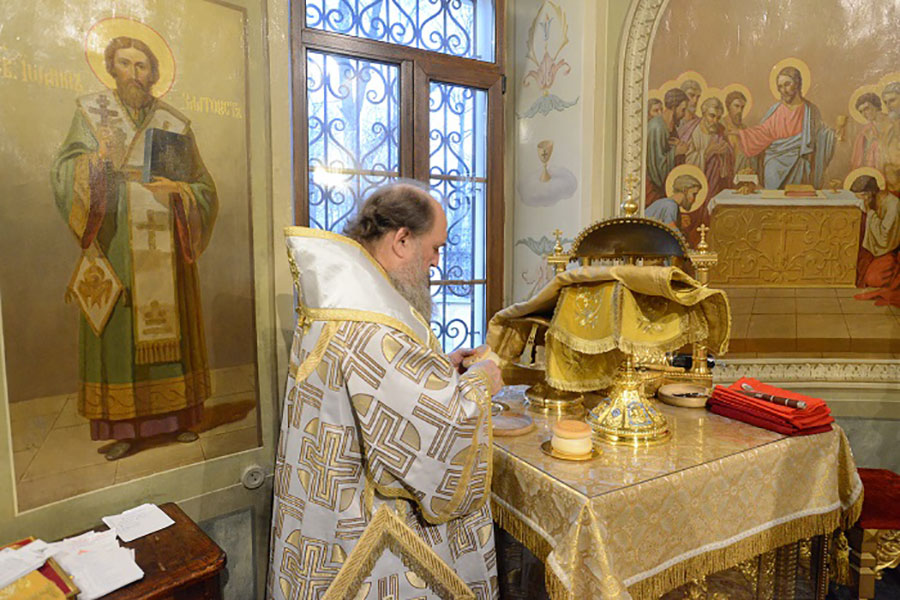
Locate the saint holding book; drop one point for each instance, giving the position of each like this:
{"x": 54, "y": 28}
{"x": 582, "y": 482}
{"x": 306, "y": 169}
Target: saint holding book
{"x": 142, "y": 354}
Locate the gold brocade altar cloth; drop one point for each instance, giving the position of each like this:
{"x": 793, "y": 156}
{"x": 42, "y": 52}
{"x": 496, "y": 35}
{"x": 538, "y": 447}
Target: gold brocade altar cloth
{"x": 636, "y": 523}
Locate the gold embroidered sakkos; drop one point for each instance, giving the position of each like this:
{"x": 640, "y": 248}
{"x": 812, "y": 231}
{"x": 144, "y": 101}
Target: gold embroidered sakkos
{"x": 383, "y": 466}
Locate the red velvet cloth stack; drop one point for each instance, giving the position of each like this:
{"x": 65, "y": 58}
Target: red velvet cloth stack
{"x": 881, "y": 499}
{"x": 729, "y": 402}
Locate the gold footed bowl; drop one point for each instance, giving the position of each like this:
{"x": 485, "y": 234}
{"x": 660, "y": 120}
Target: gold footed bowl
{"x": 544, "y": 399}
{"x": 627, "y": 417}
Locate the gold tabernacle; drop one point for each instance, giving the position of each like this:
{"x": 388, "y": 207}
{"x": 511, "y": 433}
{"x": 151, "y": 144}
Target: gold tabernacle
{"x": 598, "y": 322}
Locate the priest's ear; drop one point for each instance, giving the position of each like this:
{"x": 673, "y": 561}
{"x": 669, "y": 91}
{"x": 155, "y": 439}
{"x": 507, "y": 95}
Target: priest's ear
{"x": 402, "y": 243}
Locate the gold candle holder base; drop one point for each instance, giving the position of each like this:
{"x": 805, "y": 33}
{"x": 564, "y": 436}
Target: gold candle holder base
{"x": 627, "y": 418}
{"x": 544, "y": 399}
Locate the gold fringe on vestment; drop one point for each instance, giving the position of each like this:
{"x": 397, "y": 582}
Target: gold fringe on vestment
{"x": 696, "y": 566}
{"x": 387, "y": 531}
{"x": 148, "y": 353}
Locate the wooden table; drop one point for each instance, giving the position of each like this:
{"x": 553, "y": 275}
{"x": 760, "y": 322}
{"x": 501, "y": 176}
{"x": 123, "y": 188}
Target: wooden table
{"x": 179, "y": 562}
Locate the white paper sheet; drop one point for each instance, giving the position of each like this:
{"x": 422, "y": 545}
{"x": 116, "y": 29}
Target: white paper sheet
{"x": 138, "y": 522}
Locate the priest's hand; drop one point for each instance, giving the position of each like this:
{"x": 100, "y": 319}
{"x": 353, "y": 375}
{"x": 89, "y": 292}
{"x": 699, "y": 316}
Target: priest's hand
{"x": 162, "y": 185}
{"x": 456, "y": 357}
{"x": 490, "y": 368}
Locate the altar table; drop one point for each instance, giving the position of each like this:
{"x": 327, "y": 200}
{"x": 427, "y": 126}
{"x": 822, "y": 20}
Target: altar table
{"x": 769, "y": 240}
{"x": 636, "y": 523}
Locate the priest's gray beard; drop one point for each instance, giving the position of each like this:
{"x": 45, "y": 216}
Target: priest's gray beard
{"x": 413, "y": 285}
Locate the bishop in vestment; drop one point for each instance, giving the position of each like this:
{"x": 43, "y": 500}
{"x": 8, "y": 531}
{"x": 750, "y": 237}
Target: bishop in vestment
{"x": 383, "y": 465}
{"x": 142, "y": 364}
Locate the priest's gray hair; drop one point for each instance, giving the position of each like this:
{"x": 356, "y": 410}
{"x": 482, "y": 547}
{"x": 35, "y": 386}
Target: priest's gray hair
{"x": 402, "y": 203}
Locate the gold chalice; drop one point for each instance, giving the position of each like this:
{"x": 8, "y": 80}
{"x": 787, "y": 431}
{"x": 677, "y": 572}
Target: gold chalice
{"x": 628, "y": 417}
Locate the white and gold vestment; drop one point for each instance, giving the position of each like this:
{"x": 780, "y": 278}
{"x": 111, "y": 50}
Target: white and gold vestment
{"x": 383, "y": 465}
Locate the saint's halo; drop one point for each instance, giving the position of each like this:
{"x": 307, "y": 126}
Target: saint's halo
{"x": 104, "y": 31}
{"x": 857, "y": 173}
{"x": 795, "y": 62}
{"x": 694, "y": 171}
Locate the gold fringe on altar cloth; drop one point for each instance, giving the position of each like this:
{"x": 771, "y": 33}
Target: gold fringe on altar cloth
{"x": 695, "y": 567}
{"x": 535, "y": 543}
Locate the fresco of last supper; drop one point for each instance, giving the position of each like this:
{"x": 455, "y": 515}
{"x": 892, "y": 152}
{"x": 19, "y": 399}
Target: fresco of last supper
{"x": 787, "y": 148}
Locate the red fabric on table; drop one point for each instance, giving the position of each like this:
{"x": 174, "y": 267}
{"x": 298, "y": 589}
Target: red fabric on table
{"x": 881, "y": 499}
{"x": 752, "y": 419}
{"x": 813, "y": 415}
{"x": 729, "y": 402}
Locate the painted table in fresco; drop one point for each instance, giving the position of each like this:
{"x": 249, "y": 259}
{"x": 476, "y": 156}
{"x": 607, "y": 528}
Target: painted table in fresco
{"x": 636, "y": 523}
{"x": 769, "y": 240}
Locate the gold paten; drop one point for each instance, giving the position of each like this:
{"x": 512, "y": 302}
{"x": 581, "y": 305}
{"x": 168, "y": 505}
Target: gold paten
{"x": 627, "y": 417}
{"x": 547, "y": 448}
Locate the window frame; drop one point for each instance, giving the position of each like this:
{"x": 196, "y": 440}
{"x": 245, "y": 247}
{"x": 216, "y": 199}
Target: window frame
{"x": 418, "y": 68}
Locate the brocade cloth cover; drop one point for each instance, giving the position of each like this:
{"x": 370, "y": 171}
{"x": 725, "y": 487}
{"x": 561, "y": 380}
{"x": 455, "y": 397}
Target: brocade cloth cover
{"x": 600, "y": 312}
{"x": 635, "y": 523}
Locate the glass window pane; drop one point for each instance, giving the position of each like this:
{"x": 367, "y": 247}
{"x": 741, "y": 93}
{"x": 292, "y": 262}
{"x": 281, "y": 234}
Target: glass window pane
{"x": 458, "y": 27}
{"x": 458, "y": 177}
{"x": 459, "y": 319}
{"x": 353, "y": 107}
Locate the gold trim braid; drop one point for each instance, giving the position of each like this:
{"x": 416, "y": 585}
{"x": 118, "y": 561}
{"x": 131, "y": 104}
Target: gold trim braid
{"x": 312, "y": 361}
{"x": 387, "y": 531}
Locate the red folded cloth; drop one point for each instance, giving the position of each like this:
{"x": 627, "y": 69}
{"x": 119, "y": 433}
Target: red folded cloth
{"x": 730, "y": 402}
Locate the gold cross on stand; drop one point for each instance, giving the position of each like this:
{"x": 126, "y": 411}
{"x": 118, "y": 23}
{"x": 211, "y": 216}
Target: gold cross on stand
{"x": 630, "y": 206}
{"x": 702, "y": 246}
{"x": 559, "y": 259}
{"x": 152, "y": 226}
{"x": 557, "y": 249}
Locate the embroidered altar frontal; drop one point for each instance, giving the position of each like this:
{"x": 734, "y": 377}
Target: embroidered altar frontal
{"x": 636, "y": 523}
